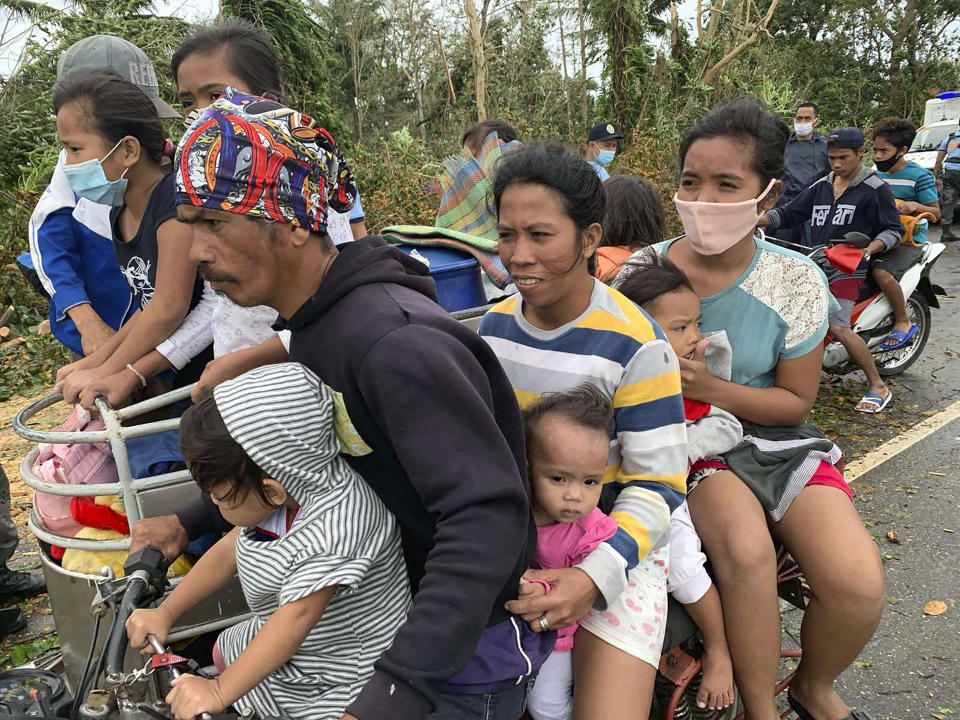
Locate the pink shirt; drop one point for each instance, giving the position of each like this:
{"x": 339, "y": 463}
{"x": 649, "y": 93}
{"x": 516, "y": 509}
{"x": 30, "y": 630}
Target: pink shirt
{"x": 565, "y": 545}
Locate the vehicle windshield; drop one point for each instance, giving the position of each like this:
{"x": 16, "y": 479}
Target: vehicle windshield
{"x": 929, "y": 138}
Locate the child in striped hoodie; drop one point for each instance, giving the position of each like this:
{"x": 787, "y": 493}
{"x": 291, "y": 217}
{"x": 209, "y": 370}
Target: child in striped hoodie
{"x": 317, "y": 553}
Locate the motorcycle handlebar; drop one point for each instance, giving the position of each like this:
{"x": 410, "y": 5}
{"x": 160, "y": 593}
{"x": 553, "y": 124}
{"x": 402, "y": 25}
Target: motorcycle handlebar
{"x": 158, "y": 647}
{"x": 116, "y": 647}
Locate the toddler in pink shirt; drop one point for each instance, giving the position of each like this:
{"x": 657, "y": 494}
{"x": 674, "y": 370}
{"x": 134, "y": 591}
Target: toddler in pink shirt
{"x": 568, "y": 440}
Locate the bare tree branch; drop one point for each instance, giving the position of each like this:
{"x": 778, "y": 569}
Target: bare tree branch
{"x": 749, "y": 42}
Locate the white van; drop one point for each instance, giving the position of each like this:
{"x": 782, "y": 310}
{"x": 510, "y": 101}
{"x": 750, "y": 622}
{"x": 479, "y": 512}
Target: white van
{"x": 945, "y": 106}
{"x": 924, "y": 149}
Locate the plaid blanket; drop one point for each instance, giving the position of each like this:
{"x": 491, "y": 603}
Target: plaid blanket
{"x": 467, "y": 217}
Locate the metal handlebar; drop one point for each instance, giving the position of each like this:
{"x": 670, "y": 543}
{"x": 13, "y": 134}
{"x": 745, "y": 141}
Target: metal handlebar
{"x": 159, "y": 647}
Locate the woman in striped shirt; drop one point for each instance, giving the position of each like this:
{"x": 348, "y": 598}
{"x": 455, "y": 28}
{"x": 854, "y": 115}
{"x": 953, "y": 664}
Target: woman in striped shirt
{"x": 564, "y": 329}
{"x": 317, "y": 553}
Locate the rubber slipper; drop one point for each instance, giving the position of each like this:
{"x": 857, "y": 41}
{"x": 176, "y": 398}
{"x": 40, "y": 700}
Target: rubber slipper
{"x": 876, "y": 400}
{"x": 799, "y": 709}
{"x": 899, "y": 337}
{"x": 804, "y": 714}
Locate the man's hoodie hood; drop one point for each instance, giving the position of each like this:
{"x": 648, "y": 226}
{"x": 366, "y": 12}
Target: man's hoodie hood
{"x": 363, "y": 262}
{"x": 862, "y": 174}
{"x": 282, "y": 416}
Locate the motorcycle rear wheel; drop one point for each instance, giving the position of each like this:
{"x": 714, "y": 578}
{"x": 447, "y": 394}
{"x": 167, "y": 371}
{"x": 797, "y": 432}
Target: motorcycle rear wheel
{"x": 894, "y": 362}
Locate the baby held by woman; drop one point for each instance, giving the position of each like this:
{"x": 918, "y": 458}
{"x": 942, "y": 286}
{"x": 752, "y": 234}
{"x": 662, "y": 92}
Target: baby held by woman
{"x": 568, "y": 439}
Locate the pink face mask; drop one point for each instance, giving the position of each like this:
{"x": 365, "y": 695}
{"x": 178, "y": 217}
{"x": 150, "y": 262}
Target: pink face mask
{"x": 713, "y": 227}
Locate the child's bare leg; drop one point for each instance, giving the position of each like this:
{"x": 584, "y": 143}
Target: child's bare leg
{"x": 716, "y": 688}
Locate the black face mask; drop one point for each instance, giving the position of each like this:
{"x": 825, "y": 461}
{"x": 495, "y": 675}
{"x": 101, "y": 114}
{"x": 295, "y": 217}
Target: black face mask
{"x": 885, "y": 165}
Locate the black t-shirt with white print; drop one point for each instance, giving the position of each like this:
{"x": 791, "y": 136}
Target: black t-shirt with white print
{"x": 138, "y": 261}
{"x": 138, "y": 257}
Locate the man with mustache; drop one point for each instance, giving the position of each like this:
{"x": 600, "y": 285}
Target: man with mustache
{"x": 425, "y": 413}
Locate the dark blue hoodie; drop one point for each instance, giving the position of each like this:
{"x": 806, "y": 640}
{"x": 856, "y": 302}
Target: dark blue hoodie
{"x": 867, "y": 206}
{"x": 434, "y": 428}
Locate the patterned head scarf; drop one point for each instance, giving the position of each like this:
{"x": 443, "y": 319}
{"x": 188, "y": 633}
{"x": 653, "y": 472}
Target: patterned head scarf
{"x": 255, "y": 157}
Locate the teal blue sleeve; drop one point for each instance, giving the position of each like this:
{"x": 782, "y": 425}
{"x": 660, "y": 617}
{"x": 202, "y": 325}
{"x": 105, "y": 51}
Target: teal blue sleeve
{"x": 811, "y": 341}
{"x": 926, "y": 188}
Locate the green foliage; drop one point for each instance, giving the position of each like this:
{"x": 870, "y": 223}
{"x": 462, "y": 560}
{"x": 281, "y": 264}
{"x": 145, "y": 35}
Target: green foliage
{"x": 397, "y": 178}
{"x": 308, "y": 67}
{"x": 19, "y": 654}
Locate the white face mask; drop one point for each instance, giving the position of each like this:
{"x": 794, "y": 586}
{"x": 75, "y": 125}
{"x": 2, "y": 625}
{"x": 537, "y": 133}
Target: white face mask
{"x": 803, "y": 129}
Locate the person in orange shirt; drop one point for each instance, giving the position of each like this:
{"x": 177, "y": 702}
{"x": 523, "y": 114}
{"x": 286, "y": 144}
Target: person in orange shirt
{"x": 633, "y": 219}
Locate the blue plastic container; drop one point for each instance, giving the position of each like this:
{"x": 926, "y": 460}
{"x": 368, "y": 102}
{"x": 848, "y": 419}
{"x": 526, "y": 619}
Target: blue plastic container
{"x": 456, "y": 274}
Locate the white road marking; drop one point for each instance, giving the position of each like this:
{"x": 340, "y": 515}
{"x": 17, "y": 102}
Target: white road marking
{"x": 897, "y": 445}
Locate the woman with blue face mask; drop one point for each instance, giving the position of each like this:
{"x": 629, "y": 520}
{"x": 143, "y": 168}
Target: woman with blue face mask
{"x": 114, "y": 144}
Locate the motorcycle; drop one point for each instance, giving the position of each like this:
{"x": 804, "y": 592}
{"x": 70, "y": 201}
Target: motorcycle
{"x": 872, "y": 316}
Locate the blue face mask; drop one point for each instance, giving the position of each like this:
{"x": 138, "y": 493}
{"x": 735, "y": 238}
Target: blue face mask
{"x": 88, "y": 180}
{"x": 605, "y": 157}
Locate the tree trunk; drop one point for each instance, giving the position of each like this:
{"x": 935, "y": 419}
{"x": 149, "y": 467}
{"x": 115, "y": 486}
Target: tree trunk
{"x": 584, "y": 109}
{"x": 446, "y": 67}
{"x": 479, "y": 58}
{"x": 675, "y": 46}
{"x": 711, "y": 73}
{"x": 563, "y": 64}
{"x": 714, "y": 22}
{"x": 421, "y": 117}
{"x": 355, "y": 76}
{"x": 619, "y": 34}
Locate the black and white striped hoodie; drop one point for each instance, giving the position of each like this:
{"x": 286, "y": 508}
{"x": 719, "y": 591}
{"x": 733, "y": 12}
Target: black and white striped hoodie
{"x": 343, "y": 535}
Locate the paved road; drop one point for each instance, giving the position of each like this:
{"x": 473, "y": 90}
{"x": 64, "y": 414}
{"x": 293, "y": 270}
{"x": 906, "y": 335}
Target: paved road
{"x": 911, "y": 669}
{"x": 934, "y": 380}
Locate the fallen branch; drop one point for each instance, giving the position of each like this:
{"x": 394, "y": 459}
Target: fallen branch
{"x": 7, "y": 346}
{"x": 6, "y": 315}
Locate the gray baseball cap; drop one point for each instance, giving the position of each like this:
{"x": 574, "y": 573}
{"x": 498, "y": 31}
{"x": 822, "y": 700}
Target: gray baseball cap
{"x": 108, "y": 52}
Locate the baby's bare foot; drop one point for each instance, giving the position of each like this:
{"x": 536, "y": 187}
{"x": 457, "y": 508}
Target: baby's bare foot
{"x": 716, "y": 686}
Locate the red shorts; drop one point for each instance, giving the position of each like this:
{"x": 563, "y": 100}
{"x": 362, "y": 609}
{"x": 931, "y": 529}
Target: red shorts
{"x": 830, "y": 476}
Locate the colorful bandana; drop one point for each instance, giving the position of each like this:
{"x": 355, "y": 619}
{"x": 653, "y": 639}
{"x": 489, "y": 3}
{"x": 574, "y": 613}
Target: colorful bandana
{"x": 255, "y": 157}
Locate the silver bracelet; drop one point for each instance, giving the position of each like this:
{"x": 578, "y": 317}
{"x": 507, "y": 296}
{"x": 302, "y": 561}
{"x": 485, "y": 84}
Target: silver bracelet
{"x": 140, "y": 377}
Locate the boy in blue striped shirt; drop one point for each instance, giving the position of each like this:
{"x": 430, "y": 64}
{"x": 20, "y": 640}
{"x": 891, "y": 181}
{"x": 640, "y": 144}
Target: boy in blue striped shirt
{"x": 916, "y": 193}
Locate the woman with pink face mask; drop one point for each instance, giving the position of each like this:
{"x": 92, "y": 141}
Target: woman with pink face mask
{"x": 772, "y": 304}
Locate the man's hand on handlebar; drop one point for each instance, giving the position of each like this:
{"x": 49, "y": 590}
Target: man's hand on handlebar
{"x": 164, "y": 532}
{"x": 143, "y": 622}
{"x": 192, "y": 696}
